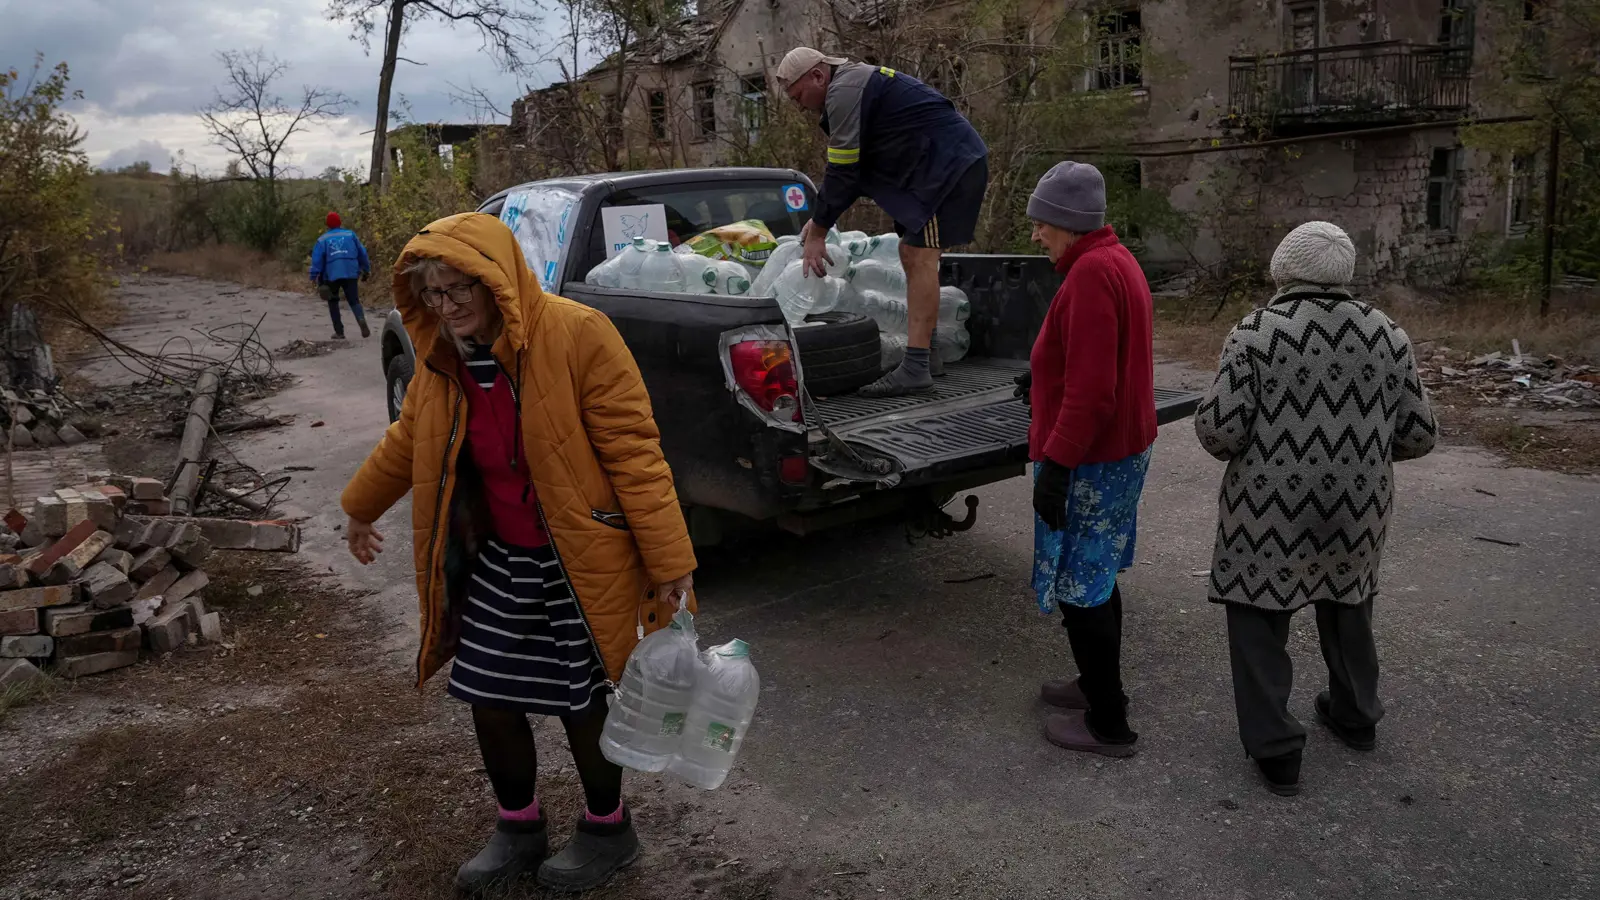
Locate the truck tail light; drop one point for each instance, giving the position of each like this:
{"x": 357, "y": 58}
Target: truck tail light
{"x": 793, "y": 469}
{"x": 765, "y": 371}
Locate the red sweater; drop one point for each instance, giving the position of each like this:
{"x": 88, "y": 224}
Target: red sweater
{"x": 492, "y": 441}
{"x": 1093, "y": 366}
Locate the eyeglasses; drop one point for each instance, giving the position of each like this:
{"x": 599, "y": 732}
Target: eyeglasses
{"x": 459, "y": 294}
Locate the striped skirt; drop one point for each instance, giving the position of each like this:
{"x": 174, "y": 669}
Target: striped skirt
{"x": 523, "y": 642}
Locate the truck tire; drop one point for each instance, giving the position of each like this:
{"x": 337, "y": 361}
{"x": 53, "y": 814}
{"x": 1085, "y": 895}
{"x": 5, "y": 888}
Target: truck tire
{"x": 838, "y": 353}
{"x": 396, "y": 381}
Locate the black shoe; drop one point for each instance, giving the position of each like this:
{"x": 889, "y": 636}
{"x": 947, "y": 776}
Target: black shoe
{"x": 338, "y": 335}
{"x": 1354, "y": 738}
{"x": 596, "y": 852}
{"x": 515, "y": 849}
{"x": 1282, "y": 773}
{"x": 365, "y": 331}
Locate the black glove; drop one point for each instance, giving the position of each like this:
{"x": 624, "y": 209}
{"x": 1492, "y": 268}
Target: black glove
{"x": 366, "y": 276}
{"x": 1050, "y": 492}
{"x": 1024, "y": 387}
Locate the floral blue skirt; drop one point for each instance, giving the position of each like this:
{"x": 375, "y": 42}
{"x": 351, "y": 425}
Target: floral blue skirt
{"x": 1078, "y": 566}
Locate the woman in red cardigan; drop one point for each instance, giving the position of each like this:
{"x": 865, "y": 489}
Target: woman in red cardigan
{"x": 1094, "y": 419}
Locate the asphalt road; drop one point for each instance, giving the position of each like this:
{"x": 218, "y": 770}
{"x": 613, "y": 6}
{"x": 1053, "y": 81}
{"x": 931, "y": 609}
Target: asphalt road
{"x": 898, "y": 751}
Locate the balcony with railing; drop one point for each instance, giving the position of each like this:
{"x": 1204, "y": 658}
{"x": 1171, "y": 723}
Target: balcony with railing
{"x": 1351, "y": 86}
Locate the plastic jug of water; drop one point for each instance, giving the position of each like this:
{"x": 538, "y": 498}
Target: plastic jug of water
{"x": 631, "y": 260}
{"x": 661, "y": 271}
{"x": 724, "y": 703}
{"x": 953, "y": 305}
{"x": 645, "y": 726}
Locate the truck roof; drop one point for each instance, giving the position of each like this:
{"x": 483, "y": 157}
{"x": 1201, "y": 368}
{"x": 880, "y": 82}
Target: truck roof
{"x": 655, "y": 177}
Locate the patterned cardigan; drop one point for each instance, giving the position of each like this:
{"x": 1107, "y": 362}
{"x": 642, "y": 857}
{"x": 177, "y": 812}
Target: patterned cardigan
{"x": 1316, "y": 396}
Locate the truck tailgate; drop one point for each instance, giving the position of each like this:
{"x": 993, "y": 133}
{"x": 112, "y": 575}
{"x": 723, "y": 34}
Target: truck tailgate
{"x": 970, "y": 420}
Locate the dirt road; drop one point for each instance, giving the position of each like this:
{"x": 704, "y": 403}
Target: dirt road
{"x": 897, "y": 751}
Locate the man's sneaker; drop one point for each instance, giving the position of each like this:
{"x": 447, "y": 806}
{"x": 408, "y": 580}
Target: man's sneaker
{"x": 1354, "y": 738}
{"x": 338, "y": 335}
{"x": 1071, "y": 731}
{"x": 1282, "y": 773}
{"x": 515, "y": 849}
{"x": 596, "y": 852}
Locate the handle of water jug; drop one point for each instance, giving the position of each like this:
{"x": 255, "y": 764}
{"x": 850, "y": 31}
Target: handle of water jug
{"x": 683, "y": 604}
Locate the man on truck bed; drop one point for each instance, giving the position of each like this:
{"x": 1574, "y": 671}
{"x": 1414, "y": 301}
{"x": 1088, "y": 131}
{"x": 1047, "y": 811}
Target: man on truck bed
{"x": 903, "y": 144}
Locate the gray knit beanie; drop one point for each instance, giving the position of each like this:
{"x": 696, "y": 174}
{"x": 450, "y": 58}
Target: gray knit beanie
{"x": 1072, "y": 196}
{"x": 1315, "y": 253}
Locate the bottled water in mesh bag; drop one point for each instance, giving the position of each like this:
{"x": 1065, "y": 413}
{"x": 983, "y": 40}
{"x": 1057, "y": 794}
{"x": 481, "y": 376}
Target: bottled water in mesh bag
{"x": 645, "y": 726}
{"x": 724, "y": 703}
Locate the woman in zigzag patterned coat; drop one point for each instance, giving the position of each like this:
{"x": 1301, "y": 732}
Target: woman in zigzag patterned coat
{"x": 1317, "y": 395}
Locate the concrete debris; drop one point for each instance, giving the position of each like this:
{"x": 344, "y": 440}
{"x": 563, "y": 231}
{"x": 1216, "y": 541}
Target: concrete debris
{"x": 15, "y": 673}
{"x": 1518, "y": 380}
{"x": 89, "y": 576}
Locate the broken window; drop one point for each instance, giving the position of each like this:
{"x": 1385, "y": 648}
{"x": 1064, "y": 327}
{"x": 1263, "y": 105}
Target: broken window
{"x": 1120, "y": 51}
{"x": 1519, "y": 194}
{"x": 1443, "y": 170}
{"x": 752, "y": 106}
{"x": 658, "y": 115}
{"x": 705, "y": 108}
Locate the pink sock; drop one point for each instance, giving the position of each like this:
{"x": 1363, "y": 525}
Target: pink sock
{"x": 530, "y": 814}
{"x": 613, "y": 819}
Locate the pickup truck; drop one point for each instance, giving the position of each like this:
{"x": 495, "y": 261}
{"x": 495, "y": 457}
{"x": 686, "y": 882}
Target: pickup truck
{"x": 757, "y": 419}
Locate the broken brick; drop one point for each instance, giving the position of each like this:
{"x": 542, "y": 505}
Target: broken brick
{"x": 71, "y": 566}
{"x": 158, "y": 585}
{"x": 70, "y": 435}
{"x": 148, "y": 563}
{"x": 167, "y": 630}
{"x": 21, "y": 438}
{"x": 50, "y": 514}
{"x": 19, "y": 621}
{"x": 69, "y": 542}
{"x": 193, "y": 556}
{"x": 45, "y": 436}
{"x": 117, "y": 496}
{"x": 94, "y": 663}
{"x": 190, "y": 584}
{"x": 13, "y": 575}
{"x": 162, "y": 507}
{"x": 105, "y": 586}
{"x": 14, "y": 673}
{"x": 121, "y": 559}
{"x": 100, "y": 509}
{"x": 147, "y": 489}
{"x": 276, "y": 537}
{"x": 66, "y": 621}
{"x": 38, "y": 597}
{"x": 130, "y": 638}
{"x": 26, "y": 646}
{"x": 144, "y": 609}
{"x": 211, "y": 628}
{"x": 16, "y": 521}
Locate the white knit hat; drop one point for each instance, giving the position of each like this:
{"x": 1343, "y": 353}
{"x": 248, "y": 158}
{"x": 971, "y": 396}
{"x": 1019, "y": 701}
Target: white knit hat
{"x": 1315, "y": 253}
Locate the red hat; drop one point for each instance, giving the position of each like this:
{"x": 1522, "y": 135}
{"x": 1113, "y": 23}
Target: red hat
{"x": 334, "y": 220}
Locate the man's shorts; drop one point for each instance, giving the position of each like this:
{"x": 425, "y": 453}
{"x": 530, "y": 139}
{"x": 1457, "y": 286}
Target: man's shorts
{"x": 955, "y": 222}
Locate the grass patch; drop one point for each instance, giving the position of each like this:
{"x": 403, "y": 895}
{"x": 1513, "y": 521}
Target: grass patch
{"x": 19, "y": 695}
{"x": 230, "y": 262}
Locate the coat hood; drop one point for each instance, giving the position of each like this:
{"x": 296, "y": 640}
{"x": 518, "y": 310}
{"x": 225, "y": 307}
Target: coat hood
{"x": 479, "y": 245}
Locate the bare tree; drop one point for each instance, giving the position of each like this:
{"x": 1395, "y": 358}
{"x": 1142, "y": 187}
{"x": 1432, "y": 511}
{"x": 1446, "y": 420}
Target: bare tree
{"x": 506, "y": 27}
{"x": 254, "y": 123}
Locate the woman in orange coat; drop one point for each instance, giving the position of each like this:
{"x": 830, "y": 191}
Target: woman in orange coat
{"x": 547, "y": 532}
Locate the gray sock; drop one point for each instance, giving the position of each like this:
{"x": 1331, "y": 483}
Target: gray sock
{"x": 910, "y": 377}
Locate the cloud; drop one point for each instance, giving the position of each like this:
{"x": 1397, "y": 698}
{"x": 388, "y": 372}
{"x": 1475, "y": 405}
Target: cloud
{"x": 143, "y": 77}
{"x": 159, "y": 157}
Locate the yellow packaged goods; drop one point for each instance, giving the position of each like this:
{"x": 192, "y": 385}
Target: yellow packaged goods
{"x": 749, "y": 242}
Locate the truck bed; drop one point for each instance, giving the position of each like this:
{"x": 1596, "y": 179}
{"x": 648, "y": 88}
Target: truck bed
{"x": 969, "y": 420}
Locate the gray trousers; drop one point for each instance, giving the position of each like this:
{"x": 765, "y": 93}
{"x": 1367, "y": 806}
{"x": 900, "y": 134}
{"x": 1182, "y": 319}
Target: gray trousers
{"x": 1263, "y": 674}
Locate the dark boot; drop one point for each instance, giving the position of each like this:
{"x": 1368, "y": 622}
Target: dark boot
{"x": 1354, "y": 738}
{"x": 1071, "y": 731}
{"x": 596, "y": 852}
{"x": 515, "y": 849}
{"x": 1064, "y": 693}
{"x": 1282, "y": 773}
{"x": 365, "y": 331}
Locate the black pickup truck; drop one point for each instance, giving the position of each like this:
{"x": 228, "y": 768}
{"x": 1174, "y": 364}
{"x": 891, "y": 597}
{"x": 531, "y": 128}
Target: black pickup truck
{"x": 743, "y": 400}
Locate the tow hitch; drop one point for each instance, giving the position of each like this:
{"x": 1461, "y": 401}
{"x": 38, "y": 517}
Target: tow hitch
{"x": 930, "y": 520}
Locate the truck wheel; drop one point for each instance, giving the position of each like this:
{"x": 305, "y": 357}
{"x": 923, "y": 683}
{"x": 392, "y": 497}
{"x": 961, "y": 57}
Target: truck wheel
{"x": 396, "y": 382}
{"x": 838, "y": 352}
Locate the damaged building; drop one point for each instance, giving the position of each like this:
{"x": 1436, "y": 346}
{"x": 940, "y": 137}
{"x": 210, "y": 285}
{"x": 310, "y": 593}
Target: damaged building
{"x": 1247, "y": 116}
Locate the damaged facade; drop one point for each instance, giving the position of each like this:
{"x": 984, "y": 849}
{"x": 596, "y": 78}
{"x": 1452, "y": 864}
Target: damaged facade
{"x": 1358, "y": 104}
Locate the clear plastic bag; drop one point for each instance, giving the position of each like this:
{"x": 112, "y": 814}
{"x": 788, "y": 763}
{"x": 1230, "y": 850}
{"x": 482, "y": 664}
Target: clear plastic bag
{"x": 645, "y": 726}
{"x": 725, "y": 697}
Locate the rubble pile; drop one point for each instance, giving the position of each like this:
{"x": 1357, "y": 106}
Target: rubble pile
{"x": 1511, "y": 379}
{"x": 36, "y": 419}
{"x": 92, "y": 575}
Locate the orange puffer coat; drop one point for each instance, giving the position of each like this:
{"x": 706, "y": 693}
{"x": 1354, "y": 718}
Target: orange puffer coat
{"x": 588, "y": 433}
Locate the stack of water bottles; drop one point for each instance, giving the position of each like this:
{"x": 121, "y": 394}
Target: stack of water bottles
{"x": 679, "y": 710}
{"x": 647, "y": 265}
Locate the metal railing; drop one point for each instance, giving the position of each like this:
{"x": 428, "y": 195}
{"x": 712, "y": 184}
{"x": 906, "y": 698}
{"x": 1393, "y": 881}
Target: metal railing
{"x": 1381, "y": 81}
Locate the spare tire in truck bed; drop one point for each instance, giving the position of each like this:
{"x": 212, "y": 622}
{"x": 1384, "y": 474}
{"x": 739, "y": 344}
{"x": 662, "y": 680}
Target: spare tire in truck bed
{"x": 839, "y": 352}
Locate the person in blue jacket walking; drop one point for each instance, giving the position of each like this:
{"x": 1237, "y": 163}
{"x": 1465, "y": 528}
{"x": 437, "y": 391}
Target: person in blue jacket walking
{"x": 337, "y": 260}
{"x": 906, "y": 146}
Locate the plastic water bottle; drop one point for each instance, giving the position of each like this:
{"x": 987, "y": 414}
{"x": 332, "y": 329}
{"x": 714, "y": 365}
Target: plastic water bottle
{"x": 728, "y": 277}
{"x": 661, "y": 270}
{"x": 876, "y": 275}
{"x": 631, "y": 260}
{"x": 891, "y": 350}
{"x": 953, "y": 305}
{"x": 953, "y": 341}
{"x": 724, "y": 703}
{"x": 888, "y": 310}
{"x": 789, "y": 249}
{"x": 645, "y": 726}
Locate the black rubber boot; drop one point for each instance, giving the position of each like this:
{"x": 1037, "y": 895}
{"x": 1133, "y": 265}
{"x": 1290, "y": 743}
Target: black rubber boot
{"x": 515, "y": 849}
{"x": 365, "y": 331}
{"x": 1355, "y": 738}
{"x": 1282, "y": 773}
{"x": 595, "y": 853}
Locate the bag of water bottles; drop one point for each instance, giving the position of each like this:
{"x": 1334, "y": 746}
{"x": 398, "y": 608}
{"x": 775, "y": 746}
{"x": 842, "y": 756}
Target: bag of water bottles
{"x": 679, "y": 710}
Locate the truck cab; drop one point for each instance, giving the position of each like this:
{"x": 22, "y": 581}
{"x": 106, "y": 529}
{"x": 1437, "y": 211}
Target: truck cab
{"x": 753, "y": 419}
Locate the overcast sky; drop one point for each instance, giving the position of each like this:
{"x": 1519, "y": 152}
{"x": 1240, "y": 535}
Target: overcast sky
{"x": 145, "y": 66}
